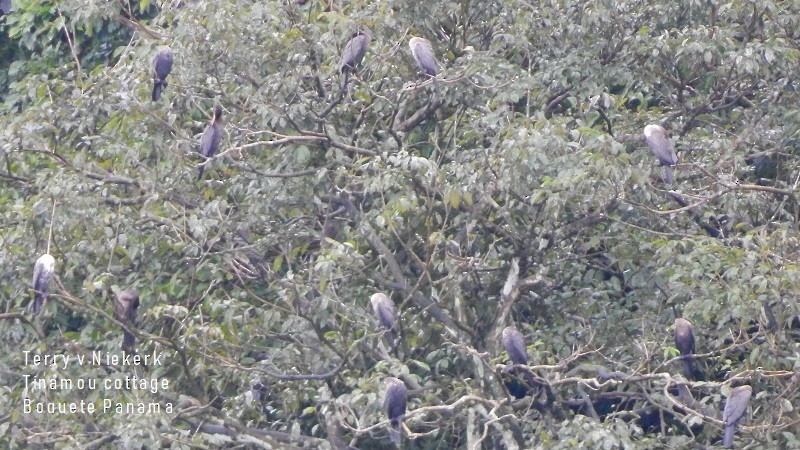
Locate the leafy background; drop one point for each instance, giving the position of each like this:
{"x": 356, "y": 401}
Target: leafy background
{"x": 518, "y": 190}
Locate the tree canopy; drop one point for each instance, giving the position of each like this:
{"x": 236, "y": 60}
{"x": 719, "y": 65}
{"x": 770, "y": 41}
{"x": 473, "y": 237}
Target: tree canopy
{"x": 514, "y": 188}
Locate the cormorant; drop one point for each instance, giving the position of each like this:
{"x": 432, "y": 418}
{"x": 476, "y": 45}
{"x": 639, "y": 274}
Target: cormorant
{"x": 385, "y": 312}
{"x": 656, "y": 137}
{"x": 42, "y": 275}
{"x": 212, "y": 135}
{"x": 514, "y": 343}
{"x": 125, "y": 308}
{"x": 395, "y": 404}
{"x": 735, "y": 407}
{"x": 162, "y": 66}
{"x": 353, "y": 53}
{"x": 422, "y": 52}
{"x": 684, "y": 342}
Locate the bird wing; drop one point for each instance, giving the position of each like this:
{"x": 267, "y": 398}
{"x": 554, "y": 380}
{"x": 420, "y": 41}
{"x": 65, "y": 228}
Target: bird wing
{"x": 119, "y": 308}
{"x": 41, "y": 275}
{"x": 662, "y": 148}
{"x": 423, "y": 53}
{"x": 395, "y": 400}
{"x": 386, "y": 314}
{"x": 216, "y": 138}
{"x": 38, "y": 268}
{"x": 354, "y": 51}
{"x": 736, "y": 405}
{"x": 684, "y": 339}
{"x": 515, "y": 346}
{"x": 162, "y": 64}
{"x": 126, "y": 307}
{"x": 210, "y": 140}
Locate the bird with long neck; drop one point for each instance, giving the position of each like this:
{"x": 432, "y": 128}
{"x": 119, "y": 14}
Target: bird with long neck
{"x": 684, "y": 342}
{"x": 209, "y": 143}
{"x": 43, "y": 272}
{"x": 656, "y": 137}
{"x": 422, "y": 51}
{"x": 125, "y": 307}
{"x": 353, "y": 54}
{"x": 735, "y": 407}
{"x": 394, "y": 402}
{"x": 162, "y": 66}
{"x": 514, "y": 343}
{"x": 383, "y": 307}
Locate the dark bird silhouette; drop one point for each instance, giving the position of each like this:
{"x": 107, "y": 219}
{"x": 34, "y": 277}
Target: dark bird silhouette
{"x": 384, "y": 311}
{"x": 42, "y": 275}
{"x": 212, "y": 136}
{"x": 257, "y": 390}
{"x": 353, "y": 53}
{"x": 395, "y": 404}
{"x": 735, "y": 407}
{"x": 422, "y": 52}
{"x": 162, "y": 66}
{"x": 125, "y": 307}
{"x": 684, "y": 342}
{"x": 765, "y": 167}
{"x": 656, "y": 137}
{"x": 514, "y": 343}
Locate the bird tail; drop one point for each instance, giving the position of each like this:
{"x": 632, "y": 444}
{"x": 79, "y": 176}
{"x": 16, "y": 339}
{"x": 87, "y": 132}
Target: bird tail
{"x": 156, "y": 90}
{"x": 128, "y": 340}
{"x": 346, "y": 78}
{"x": 727, "y": 441}
{"x": 529, "y": 379}
{"x": 38, "y": 300}
{"x": 392, "y": 338}
{"x": 688, "y": 367}
{"x": 394, "y": 433}
{"x": 200, "y": 172}
{"x": 668, "y": 178}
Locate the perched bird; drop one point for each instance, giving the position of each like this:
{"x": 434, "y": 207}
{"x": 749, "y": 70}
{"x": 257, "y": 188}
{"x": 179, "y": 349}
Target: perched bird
{"x": 384, "y": 311}
{"x": 656, "y": 137}
{"x": 162, "y": 66}
{"x": 514, "y": 343}
{"x": 125, "y": 307}
{"x": 765, "y": 167}
{"x": 422, "y": 52}
{"x": 395, "y": 404}
{"x": 353, "y": 53}
{"x": 257, "y": 390}
{"x": 42, "y": 275}
{"x": 734, "y": 410}
{"x": 684, "y": 342}
{"x": 212, "y": 135}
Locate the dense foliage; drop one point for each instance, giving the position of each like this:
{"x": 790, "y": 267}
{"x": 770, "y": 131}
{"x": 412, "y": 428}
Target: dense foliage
{"x": 515, "y": 188}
